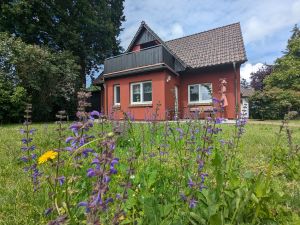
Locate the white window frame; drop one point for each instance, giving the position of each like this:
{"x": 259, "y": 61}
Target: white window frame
{"x": 142, "y": 102}
{"x": 199, "y": 87}
{"x": 115, "y": 94}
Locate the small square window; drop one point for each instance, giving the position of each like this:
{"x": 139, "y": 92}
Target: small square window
{"x": 200, "y": 93}
{"x": 141, "y": 93}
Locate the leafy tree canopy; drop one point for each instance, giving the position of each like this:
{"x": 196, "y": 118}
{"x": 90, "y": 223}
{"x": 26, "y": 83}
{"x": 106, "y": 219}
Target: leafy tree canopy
{"x": 286, "y": 74}
{"x": 258, "y": 77}
{"x": 280, "y": 89}
{"x": 88, "y": 29}
{"x": 244, "y": 83}
{"x": 32, "y": 73}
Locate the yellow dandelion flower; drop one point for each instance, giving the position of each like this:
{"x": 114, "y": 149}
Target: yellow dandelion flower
{"x": 49, "y": 155}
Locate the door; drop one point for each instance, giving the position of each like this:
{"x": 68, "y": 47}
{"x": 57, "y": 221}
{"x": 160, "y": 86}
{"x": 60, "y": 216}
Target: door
{"x": 176, "y": 103}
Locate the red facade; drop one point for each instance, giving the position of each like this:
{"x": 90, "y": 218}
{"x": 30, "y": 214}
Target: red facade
{"x": 151, "y": 81}
{"x": 163, "y": 92}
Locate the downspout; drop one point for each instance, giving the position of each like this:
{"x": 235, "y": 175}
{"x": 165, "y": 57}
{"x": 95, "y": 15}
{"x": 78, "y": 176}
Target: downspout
{"x": 235, "y": 91}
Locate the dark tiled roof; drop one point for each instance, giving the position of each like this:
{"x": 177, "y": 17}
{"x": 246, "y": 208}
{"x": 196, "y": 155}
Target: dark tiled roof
{"x": 213, "y": 47}
{"x": 247, "y": 92}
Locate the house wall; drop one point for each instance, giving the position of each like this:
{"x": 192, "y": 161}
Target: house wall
{"x": 140, "y": 112}
{"x": 163, "y": 84}
{"x": 212, "y": 75}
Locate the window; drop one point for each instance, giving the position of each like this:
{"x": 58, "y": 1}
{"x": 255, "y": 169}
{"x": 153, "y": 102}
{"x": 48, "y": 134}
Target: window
{"x": 141, "y": 93}
{"x": 148, "y": 44}
{"x": 200, "y": 93}
{"x": 116, "y": 94}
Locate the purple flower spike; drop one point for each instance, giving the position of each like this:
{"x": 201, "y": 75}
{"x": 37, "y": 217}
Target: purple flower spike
{"x": 219, "y": 120}
{"x": 95, "y": 113}
{"x": 32, "y": 131}
{"x": 48, "y": 211}
{"x": 191, "y": 183}
{"x": 68, "y": 139}
{"x": 61, "y": 180}
{"x": 95, "y": 161}
{"x": 183, "y": 197}
{"x": 24, "y": 159}
{"x": 114, "y": 161}
{"x": 76, "y": 126}
{"x": 106, "y": 179}
{"x": 25, "y": 140}
{"x": 118, "y": 196}
{"x": 192, "y": 203}
{"x": 69, "y": 149}
{"x": 84, "y": 204}
{"x": 113, "y": 170}
{"x": 91, "y": 172}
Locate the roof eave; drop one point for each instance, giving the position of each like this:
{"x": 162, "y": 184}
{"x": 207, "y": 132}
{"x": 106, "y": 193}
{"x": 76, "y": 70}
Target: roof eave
{"x": 140, "y": 70}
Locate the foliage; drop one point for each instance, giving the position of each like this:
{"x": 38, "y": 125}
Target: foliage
{"x": 257, "y": 78}
{"x": 244, "y": 83}
{"x": 48, "y": 78}
{"x": 88, "y": 29}
{"x": 280, "y": 91}
{"x": 12, "y": 99}
{"x": 274, "y": 103}
{"x": 286, "y": 75}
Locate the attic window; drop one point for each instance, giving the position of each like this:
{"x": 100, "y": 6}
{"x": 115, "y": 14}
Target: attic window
{"x": 148, "y": 44}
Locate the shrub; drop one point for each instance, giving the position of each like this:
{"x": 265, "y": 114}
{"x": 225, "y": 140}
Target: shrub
{"x": 274, "y": 103}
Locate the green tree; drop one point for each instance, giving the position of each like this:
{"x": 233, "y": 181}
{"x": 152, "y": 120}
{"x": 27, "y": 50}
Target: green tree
{"x": 88, "y": 29}
{"x": 286, "y": 74}
{"x": 281, "y": 91}
{"x": 46, "y": 79}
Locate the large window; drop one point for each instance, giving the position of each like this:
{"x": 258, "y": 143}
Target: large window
{"x": 200, "y": 93}
{"x": 116, "y": 94}
{"x": 141, "y": 93}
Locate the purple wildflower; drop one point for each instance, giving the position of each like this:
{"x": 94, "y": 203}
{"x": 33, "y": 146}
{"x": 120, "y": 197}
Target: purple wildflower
{"x": 61, "y": 180}
{"x": 191, "y": 183}
{"x": 48, "y": 211}
{"x": 95, "y": 113}
{"x": 192, "y": 203}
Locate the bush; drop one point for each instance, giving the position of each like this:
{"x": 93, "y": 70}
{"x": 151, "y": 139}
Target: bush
{"x": 33, "y": 73}
{"x": 274, "y": 103}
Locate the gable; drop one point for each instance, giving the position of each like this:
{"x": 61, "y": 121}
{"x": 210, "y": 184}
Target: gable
{"x": 145, "y": 37}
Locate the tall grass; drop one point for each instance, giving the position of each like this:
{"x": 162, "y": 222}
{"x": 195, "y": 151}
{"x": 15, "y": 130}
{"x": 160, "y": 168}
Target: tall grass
{"x": 255, "y": 182}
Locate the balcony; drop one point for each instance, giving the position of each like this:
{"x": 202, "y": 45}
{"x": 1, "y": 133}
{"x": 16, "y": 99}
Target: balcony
{"x": 147, "y": 58}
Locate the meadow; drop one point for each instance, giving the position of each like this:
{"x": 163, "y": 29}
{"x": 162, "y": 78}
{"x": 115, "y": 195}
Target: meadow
{"x": 112, "y": 172}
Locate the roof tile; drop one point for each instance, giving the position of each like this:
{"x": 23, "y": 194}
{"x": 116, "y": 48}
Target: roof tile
{"x": 213, "y": 47}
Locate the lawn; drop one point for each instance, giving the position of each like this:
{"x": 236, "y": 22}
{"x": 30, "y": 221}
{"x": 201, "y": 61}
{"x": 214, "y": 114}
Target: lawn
{"x": 256, "y": 182}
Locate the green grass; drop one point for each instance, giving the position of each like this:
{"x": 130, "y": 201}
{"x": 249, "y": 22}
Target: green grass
{"x": 18, "y": 205}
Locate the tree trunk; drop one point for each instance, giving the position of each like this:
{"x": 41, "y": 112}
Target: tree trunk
{"x": 82, "y": 73}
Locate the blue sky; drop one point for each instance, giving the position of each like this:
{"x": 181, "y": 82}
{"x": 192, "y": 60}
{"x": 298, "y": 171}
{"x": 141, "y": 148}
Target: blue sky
{"x": 266, "y": 24}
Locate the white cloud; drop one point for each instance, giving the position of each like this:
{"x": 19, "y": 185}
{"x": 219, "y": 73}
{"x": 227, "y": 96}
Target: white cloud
{"x": 249, "y": 68}
{"x": 269, "y": 17}
{"x": 176, "y": 31}
{"x": 265, "y": 23}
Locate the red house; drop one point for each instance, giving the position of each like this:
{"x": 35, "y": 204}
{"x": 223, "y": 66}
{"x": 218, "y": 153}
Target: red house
{"x": 180, "y": 76}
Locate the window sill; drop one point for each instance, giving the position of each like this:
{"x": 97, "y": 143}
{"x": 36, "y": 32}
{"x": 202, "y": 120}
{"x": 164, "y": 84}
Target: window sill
{"x": 117, "y": 107}
{"x": 200, "y": 104}
{"x": 139, "y": 105}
